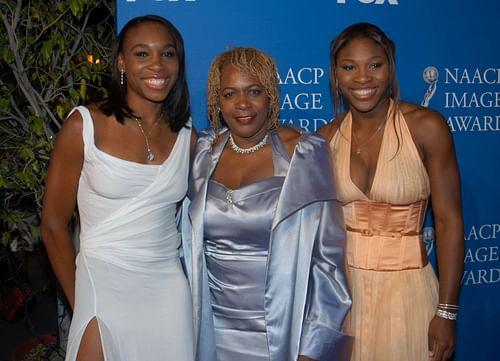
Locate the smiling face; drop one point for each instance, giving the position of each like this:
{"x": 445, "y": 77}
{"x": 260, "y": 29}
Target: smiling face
{"x": 150, "y": 62}
{"x": 244, "y": 105}
{"x": 363, "y": 74}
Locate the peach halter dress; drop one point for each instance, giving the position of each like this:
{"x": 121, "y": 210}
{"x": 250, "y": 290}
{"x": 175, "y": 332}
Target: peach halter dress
{"x": 394, "y": 288}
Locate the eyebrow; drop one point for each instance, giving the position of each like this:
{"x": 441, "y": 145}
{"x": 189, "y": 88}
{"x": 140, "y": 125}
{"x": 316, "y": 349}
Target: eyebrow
{"x": 246, "y": 87}
{"x": 372, "y": 58}
{"x": 141, "y": 45}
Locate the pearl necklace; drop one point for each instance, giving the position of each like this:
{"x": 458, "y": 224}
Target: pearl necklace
{"x": 249, "y": 150}
{"x": 150, "y": 156}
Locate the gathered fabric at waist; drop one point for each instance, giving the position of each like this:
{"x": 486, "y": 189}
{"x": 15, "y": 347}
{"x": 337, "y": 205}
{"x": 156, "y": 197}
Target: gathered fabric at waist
{"x": 238, "y": 319}
{"x": 134, "y": 253}
{"x": 145, "y": 241}
{"x": 385, "y": 237}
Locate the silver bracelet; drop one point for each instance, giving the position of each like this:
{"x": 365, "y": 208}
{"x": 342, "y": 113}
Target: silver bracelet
{"x": 446, "y": 315}
{"x": 448, "y": 305}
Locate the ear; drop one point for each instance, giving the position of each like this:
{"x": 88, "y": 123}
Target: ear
{"x": 121, "y": 63}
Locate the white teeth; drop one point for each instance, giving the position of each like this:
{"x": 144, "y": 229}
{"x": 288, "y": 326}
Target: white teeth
{"x": 363, "y": 92}
{"x": 156, "y": 81}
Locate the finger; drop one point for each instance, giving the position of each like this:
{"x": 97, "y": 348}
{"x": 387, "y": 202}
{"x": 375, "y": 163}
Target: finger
{"x": 438, "y": 353}
{"x": 448, "y": 353}
{"x": 432, "y": 349}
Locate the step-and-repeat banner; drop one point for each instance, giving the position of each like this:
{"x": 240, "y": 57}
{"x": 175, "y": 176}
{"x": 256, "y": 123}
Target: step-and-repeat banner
{"x": 448, "y": 58}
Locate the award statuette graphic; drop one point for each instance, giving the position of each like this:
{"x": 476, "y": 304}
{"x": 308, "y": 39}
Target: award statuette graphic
{"x": 430, "y": 76}
{"x": 428, "y": 236}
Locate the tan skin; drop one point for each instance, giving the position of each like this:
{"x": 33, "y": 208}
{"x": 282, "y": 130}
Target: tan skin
{"x": 151, "y": 65}
{"x": 364, "y": 76}
{"x": 244, "y": 106}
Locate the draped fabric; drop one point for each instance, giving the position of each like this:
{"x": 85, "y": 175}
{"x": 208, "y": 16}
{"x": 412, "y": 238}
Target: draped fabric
{"x": 129, "y": 277}
{"x": 306, "y": 297}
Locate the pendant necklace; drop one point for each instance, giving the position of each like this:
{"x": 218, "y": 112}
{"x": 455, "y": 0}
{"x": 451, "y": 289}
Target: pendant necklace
{"x": 249, "y": 150}
{"x": 150, "y": 156}
{"x": 359, "y": 148}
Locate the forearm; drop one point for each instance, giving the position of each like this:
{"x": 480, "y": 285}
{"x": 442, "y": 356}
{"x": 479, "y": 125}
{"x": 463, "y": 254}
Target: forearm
{"x": 450, "y": 257}
{"x": 62, "y": 259}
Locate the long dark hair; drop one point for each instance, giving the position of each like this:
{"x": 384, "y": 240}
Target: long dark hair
{"x": 176, "y": 107}
{"x": 369, "y": 31}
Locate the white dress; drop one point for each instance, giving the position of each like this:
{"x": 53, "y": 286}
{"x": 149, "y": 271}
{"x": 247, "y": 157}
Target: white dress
{"x": 128, "y": 273}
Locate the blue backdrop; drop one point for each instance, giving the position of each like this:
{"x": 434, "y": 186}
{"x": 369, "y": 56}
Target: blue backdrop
{"x": 455, "y": 40}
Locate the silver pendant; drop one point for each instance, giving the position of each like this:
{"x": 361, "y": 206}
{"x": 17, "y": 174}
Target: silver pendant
{"x": 229, "y": 198}
{"x": 150, "y": 156}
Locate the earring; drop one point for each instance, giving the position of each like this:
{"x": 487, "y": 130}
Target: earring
{"x": 121, "y": 76}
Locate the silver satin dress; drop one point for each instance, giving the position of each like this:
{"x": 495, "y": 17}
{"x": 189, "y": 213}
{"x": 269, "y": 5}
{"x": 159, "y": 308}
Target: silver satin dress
{"x": 237, "y": 231}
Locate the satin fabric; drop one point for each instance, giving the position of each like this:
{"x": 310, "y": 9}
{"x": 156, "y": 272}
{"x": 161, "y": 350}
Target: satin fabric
{"x": 128, "y": 273}
{"x": 237, "y": 258}
{"x": 393, "y": 286}
{"x": 306, "y": 296}
{"x": 385, "y": 237}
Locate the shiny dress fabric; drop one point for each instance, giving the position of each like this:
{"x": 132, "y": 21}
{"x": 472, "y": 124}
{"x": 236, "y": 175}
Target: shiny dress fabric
{"x": 236, "y": 259}
{"x": 305, "y": 295}
{"x": 129, "y": 277}
{"x": 394, "y": 288}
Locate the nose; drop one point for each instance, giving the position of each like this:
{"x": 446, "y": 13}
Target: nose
{"x": 156, "y": 62}
{"x": 362, "y": 75}
{"x": 242, "y": 101}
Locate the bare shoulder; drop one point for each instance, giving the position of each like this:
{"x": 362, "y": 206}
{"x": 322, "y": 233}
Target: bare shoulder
{"x": 68, "y": 145}
{"x": 98, "y": 117}
{"x": 290, "y": 138}
{"x": 327, "y": 131}
{"x": 418, "y": 116}
{"x": 72, "y": 126}
{"x": 75, "y": 119}
{"x": 428, "y": 128}
{"x": 424, "y": 123}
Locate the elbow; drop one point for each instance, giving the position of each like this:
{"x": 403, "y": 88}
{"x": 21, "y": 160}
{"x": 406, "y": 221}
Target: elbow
{"x": 46, "y": 231}
{"x": 50, "y": 229}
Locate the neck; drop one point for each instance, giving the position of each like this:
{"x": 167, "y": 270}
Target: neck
{"x": 147, "y": 112}
{"x": 247, "y": 142}
{"x": 373, "y": 117}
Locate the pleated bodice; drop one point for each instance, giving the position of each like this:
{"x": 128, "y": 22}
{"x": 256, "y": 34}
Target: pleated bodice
{"x": 384, "y": 225}
{"x": 127, "y": 209}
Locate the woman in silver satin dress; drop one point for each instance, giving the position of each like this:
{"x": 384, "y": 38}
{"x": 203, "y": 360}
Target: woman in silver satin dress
{"x": 263, "y": 234}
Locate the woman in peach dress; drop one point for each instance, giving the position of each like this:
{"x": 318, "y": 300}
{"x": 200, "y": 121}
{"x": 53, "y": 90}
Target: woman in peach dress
{"x": 390, "y": 156}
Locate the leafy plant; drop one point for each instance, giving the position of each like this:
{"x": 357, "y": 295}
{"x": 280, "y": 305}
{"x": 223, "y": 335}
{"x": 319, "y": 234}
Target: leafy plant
{"x": 53, "y": 55}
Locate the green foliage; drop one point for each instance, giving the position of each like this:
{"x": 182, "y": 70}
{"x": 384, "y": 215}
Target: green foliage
{"x": 44, "y": 72}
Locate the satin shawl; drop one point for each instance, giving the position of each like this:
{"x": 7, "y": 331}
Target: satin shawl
{"x": 306, "y": 292}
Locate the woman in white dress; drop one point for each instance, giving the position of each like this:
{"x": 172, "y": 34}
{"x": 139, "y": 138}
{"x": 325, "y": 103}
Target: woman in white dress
{"x": 124, "y": 162}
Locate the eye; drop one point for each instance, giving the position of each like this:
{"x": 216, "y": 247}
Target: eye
{"x": 227, "y": 94}
{"x": 375, "y": 65}
{"x": 347, "y": 67}
{"x": 141, "y": 54}
{"x": 169, "y": 54}
{"x": 255, "y": 91}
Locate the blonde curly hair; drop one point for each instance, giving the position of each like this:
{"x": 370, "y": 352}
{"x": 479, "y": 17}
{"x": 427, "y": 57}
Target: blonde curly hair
{"x": 248, "y": 60}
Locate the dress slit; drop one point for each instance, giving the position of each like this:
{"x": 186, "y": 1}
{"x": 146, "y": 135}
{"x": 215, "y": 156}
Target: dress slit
{"x": 92, "y": 345}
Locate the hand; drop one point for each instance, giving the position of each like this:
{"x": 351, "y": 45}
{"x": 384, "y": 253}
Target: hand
{"x": 441, "y": 339}
{"x": 304, "y": 358}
